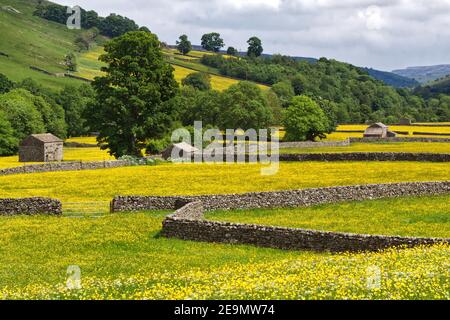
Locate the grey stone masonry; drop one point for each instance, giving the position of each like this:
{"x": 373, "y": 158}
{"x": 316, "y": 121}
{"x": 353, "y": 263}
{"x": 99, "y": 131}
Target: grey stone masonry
{"x": 311, "y": 144}
{"x": 284, "y": 238}
{"x": 283, "y": 199}
{"x": 188, "y": 223}
{"x": 30, "y": 206}
{"x": 368, "y": 156}
{"x": 65, "y": 166}
{"x": 398, "y": 139}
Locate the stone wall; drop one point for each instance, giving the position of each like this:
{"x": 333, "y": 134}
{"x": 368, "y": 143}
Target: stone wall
{"x": 284, "y": 238}
{"x": 65, "y": 166}
{"x": 283, "y": 199}
{"x": 30, "y": 206}
{"x": 368, "y": 156}
{"x": 188, "y": 222}
{"x": 398, "y": 139}
{"x": 311, "y": 144}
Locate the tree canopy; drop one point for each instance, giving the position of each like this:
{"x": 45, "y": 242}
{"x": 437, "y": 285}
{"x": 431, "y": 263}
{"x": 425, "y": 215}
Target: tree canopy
{"x": 198, "y": 80}
{"x": 304, "y": 120}
{"x": 132, "y": 98}
{"x": 232, "y": 51}
{"x": 184, "y": 45}
{"x": 212, "y": 42}
{"x": 255, "y": 48}
{"x": 244, "y": 106}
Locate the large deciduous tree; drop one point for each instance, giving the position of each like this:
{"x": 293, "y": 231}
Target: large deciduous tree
{"x": 255, "y": 48}
{"x": 131, "y": 103}
{"x": 304, "y": 120}
{"x": 212, "y": 42}
{"x": 184, "y": 45}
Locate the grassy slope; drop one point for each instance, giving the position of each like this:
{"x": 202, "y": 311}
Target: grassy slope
{"x": 31, "y": 41}
{"x": 421, "y": 216}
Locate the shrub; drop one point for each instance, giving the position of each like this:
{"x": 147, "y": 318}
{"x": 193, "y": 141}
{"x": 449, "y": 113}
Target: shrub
{"x": 8, "y": 142}
{"x": 198, "y": 80}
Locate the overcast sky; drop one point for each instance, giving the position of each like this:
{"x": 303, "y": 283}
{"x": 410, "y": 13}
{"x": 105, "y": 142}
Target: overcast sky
{"x": 383, "y": 34}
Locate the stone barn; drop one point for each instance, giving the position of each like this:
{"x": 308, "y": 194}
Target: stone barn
{"x": 179, "y": 149}
{"x": 378, "y": 130}
{"x": 41, "y": 148}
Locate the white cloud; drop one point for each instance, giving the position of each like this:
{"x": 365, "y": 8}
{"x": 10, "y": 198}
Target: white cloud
{"x": 385, "y": 34}
{"x": 372, "y": 17}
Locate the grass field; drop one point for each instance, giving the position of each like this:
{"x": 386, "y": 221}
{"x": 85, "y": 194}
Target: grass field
{"x": 88, "y": 140}
{"x": 434, "y": 147}
{"x": 217, "y": 82}
{"x": 412, "y": 216}
{"x": 189, "y": 179}
{"x": 121, "y": 256}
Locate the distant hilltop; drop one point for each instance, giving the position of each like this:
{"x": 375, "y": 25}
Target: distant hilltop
{"x": 425, "y": 74}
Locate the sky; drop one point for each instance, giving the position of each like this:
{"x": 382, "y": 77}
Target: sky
{"x": 383, "y": 34}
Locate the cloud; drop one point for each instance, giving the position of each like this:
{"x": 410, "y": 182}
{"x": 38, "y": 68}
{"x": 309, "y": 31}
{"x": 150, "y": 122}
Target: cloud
{"x": 385, "y": 34}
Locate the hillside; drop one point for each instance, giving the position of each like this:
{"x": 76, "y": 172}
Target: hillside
{"x": 389, "y": 78}
{"x": 425, "y": 74}
{"x": 392, "y": 79}
{"x": 27, "y": 41}
{"x": 435, "y": 88}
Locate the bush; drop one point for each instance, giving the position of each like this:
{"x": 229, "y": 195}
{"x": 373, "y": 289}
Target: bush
{"x": 157, "y": 146}
{"x": 22, "y": 114}
{"x": 198, "y": 80}
{"x": 5, "y": 84}
{"x": 8, "y": 142}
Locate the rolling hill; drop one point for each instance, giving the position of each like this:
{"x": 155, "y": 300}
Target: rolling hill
{"x": 425, "y": 74}
{"x": 392, "y": 79}
{"x": 27, "y": 41}
{"x": 32, "y": 47}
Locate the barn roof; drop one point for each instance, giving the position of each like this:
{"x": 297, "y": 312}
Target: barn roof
{"x": 47, "y": 137}
{"x": 42, "y": 137}
{"x": 378, "y": 124}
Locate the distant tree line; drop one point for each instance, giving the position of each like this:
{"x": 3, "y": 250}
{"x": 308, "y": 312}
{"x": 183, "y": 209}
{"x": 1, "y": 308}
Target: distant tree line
{"x": 214, "y": 43}
{"x": 111, "y": 26}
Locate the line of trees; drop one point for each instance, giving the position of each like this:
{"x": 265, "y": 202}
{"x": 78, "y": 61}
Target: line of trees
{"x": 214, "y": 43}
{"x": 111, "y": 26}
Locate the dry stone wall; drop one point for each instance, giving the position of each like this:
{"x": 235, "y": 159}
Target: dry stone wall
{"x": 311, "y": 144}
{"x": 398, "y": 139}
{"x": 284, "y": 238}
{"x": 283, "y": 199}
{"x": 65, "y": 166}
{"x": 368, "y": 156}
{"x": 188, "y": 221}
{"x": 30, "y": 206}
